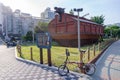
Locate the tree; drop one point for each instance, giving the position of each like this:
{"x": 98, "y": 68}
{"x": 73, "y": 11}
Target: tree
{"x": 112, "y": 30}
{"x": 37, "y": 29}
{"x": 98, "y": 19}
{"x": 29, "y": 36}
{"x": 71, "y": 12}
{"x": 107, "y": 31}
{"x": 41, "y": 27}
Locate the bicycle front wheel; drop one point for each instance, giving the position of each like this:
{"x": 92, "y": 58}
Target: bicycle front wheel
{"x": 63, "y": 70}
{"x": 90, "y": 69}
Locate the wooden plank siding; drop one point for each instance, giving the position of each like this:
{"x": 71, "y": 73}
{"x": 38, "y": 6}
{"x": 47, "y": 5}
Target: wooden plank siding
{"x": 66, "y": 30}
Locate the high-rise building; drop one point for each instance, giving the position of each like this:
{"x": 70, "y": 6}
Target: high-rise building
{"x": 1, "y": 19}
{"x": 48, "y": 14}
{"x": 22, "y": 22}
{"x": 27, "y": 22}
{"x": 5, "y": 20}
{"x": 15, "y": 23}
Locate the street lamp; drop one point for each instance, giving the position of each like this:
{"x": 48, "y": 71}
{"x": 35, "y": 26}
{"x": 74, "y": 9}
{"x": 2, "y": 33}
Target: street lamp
{"x": 85, "y": 15}
{"x": 78, "y": 21}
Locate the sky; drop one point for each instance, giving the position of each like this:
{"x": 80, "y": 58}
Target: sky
{"x": 109, "y": 8}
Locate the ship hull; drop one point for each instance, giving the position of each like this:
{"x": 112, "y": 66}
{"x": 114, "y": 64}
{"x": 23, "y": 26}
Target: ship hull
{"x": 71, "y": 40}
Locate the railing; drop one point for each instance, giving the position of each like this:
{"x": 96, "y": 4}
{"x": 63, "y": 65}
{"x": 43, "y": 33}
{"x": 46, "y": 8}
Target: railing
{"x": 91, "y": 54}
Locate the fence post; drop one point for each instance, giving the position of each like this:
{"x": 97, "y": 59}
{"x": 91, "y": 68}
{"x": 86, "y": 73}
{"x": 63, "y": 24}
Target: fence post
{"x": 41, "y": 56}
{"x": 49, "y": 57}
{"x": 94, "y": 50}
{"x": 99, "y": 47}
{"x": 19, "y": 50}
{"x": 88, "y": 53}
{"x": 31, "y": 53}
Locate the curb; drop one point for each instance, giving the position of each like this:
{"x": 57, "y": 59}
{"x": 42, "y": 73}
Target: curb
{"x": 95, "y": 60}
{"x": 32, "y": 62}
{"x": 81, "y": 75}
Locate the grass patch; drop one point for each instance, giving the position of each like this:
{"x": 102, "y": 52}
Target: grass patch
{"x": 58, "y": 53}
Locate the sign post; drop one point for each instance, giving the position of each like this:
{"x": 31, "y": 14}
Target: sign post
{"x": 49, "y": 57}
{"x": 44, "y": 41}
{"x": 41, "y": 56}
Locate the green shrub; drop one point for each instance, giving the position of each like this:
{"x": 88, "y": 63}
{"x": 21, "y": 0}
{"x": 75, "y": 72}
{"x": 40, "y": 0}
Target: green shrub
{"x": 54, "y": 43}
{"x": 29, "y": 36}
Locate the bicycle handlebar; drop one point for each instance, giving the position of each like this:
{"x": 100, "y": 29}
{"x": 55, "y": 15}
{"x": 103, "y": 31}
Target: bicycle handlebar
{"x": 82, "y": 51}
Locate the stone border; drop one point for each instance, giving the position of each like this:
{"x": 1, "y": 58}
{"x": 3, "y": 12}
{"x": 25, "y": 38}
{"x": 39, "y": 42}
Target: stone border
{"x": 98, "y": 57}
{"x": 81, "y": 75}
{"x": 29, "y": 61}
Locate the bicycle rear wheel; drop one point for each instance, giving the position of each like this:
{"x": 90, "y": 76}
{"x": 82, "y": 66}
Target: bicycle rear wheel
{"x": 90, "y": 69}
{"x": 63, "y": 70}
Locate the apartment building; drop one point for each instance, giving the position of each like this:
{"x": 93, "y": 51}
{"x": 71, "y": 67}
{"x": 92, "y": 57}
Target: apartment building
{"x": 22, "y": 22}
{"x": 47, "y": 15}
{"x": 18, "y": 22}
{"x": 5, "y": 20}
{"x": 1, "y": 19}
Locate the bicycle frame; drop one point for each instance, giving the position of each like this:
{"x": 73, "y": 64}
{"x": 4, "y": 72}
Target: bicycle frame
{"x": 86, "y": 68}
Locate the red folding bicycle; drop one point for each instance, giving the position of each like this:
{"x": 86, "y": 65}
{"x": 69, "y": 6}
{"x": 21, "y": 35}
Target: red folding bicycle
{"x": 88, "y": 68}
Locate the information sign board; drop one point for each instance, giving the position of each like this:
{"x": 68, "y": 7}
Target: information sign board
{"x": 43, "y": 40}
